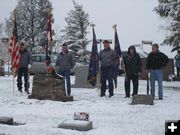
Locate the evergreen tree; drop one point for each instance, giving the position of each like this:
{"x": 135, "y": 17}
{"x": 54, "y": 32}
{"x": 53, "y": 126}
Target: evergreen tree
{"x": 1, "y": 29}
{"x": 75, "y": 33}
{"x": 170, "y": 9}
{"x": 32, "y": 18}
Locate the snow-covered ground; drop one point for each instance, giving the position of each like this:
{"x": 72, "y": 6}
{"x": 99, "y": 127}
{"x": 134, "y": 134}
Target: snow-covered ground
{"x": 110, "y": 116}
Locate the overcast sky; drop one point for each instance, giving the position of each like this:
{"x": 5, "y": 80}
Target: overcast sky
{"x": 136, "y": 19}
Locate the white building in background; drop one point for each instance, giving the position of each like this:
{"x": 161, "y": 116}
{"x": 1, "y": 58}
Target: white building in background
{"x": 4, "y": 45}
{"x": 4, "y": 54}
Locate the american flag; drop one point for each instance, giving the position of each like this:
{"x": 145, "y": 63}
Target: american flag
{"x": 14, "y": 49}
{"x": 48, "y": 48}
{"x": 50, "y": 28}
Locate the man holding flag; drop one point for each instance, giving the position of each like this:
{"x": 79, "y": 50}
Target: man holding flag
{"x": 24, "y": 65}
{"x": 20, "y": 59}
{"x": 107, "y": 59}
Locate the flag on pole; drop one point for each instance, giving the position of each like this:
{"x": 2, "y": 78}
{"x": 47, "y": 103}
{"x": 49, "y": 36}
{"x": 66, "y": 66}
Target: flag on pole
{"x": 14, "y": 48}
{"x": 117, "y": 47}
{"x": 118, "y": 53}
{"x": 50, "y": 28}
{"x": 94, "y": 62}
{"x": 49, "y": 41}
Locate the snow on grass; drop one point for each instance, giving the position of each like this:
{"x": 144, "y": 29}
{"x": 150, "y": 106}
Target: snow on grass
{"x": 110, "y": 116}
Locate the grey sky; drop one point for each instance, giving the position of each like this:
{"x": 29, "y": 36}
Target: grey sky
{"x": 136, "y": 19}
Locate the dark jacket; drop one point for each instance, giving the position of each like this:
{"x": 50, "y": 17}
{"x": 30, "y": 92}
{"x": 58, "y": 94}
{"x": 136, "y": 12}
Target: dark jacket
{"x": 156, "y": 60}
{"x": 65, "y": 61}
{"x": 25, "y": 59}
{"x": 107, "y": 57}
{"x": 177, "y": 63}
{"x": 132, "y": 63}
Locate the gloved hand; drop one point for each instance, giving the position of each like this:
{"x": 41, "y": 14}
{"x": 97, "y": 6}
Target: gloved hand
{"x": 29, "y": 66}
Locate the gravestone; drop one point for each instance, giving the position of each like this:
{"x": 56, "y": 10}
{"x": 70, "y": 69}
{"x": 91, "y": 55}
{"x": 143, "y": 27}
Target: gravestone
{"x": 81, "y": 74}
{"x": 47, "y": 87}
{"x": 2, "y": 72}
{"x": 6, "y": 120}
{"x": 77, "y": 125}
{"x": 142, "y": 99}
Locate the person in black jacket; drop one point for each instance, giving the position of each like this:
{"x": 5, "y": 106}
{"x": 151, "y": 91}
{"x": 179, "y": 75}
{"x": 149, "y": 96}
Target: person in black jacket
{"x": 155, "y": 62}
{"x": 132, "y": 65}
{"x": 24, "y": 64}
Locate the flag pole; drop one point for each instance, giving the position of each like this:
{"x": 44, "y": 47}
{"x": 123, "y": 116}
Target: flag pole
{"x": 115, "y": 77}
{"x": 98, "y": 75}
{"x": 13, "y": 85}
{"x": 49, "y": 32}
{"x": 14, "y": 68}
{"x": 122, "y": 60}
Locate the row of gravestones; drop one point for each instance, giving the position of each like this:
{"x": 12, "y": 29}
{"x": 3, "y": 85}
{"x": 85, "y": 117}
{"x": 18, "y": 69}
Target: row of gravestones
{"x": 67, "y": 124}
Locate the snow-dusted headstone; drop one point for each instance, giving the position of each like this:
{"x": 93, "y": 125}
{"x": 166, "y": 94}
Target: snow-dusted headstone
{"x": 6, "y": 120}
{"x": 81, "y": 74}
{"x": 47, "y": 87}
{"x": 142, "y": 99}
{"x": 77, "y": 125}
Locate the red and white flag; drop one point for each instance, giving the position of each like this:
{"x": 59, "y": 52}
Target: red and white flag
{"x": 14, "y": 49}
{"x": 48, "y": 48}
{"x": 49, "y": 29}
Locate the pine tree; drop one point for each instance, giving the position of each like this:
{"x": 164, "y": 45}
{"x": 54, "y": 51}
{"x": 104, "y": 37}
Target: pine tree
{"x": 75, "y": 33}
{"x": 170, "y": 9}
{"x": 1, "y": 29}
{"x": 31, "y": 17}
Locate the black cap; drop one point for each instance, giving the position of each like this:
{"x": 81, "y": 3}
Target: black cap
{"x": 105, "y": 41}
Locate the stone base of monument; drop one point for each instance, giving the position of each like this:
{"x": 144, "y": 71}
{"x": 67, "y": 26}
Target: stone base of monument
{"x": 46, "y": 87}
{"x": 77, "y": 125}
{"x": 142, "y": 99}
{"x": 6, "y": 120}
{"x": 176, "y": 79}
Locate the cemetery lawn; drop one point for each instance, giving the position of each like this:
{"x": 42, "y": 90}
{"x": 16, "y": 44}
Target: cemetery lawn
{"x": 110, "y": 116}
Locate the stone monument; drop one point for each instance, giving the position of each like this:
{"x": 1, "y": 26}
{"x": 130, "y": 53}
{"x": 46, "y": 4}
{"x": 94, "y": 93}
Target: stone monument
{"x": 81, "y": 74}
{"x": 45, "y": 86}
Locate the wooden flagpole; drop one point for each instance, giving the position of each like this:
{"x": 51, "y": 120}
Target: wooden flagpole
{"x": 114, "y": 27}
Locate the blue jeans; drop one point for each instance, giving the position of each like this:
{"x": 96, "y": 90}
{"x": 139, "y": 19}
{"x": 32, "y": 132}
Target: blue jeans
{"x": 106, "y": 74}
{"x": 156, "y": 75}
{"x": 66, "y": 75}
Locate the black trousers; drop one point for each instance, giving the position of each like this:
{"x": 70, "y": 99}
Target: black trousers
{"x": 178, "y": 71}
{"x": 22, "y": 72}
{"x": 135, "y": 80}
{"x": 106, "y": 74}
